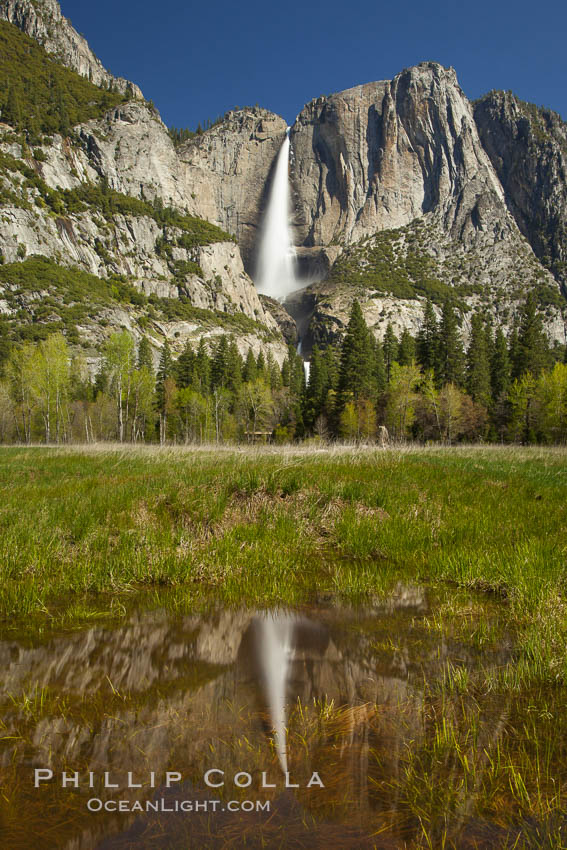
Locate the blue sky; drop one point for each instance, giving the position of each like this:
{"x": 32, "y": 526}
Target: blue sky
{"x": 197, "y": 60}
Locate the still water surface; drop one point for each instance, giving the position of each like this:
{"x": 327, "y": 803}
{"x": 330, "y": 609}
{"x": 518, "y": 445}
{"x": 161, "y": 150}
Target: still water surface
{"x": 373, "y": 702}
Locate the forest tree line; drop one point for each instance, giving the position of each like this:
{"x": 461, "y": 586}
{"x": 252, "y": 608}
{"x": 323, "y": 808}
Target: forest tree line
{"x": 428, "y": 387}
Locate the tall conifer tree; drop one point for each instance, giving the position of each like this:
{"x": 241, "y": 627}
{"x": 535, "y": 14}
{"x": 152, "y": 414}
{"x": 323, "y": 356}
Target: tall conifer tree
{"x": 451, "y": 356}
{"x": 531, "y": 353}
{"x": 185, "y": 367}
{"x": 356, "y": 370}
{"x": 145, "y": 358}
{"x": 202, "y": 372}
{"x": 165, "y": 371}
{"x": 235, "y": 367}
{"x": 380, "y": 380}
{"x": 478, "y": 363}
{"x": 500, "y": 366}
{"x": 219, "y": 364}
{"x": 428, "y": 340}
{"x": 250, "y": 368}
{"x": 390, "y": 349}
{"x": 406, "y": 350}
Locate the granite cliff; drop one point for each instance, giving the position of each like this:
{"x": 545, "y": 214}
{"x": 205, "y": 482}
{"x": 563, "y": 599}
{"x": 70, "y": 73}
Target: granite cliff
{"x": 110, "y": 198}
{"x": 396, "y": 198}
{"x": 401, "y": 189}
{"x": 527, "y": 146}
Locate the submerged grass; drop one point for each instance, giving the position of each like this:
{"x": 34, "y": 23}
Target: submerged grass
{"x": 266, "y": 526}
{"x": 437, "y": 769}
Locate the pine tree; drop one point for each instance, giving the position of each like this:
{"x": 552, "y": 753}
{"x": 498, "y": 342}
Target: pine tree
{"x": 219, "y": 364}
{"x": 489, "y": 336}
{"x": 390, "y": 349}
{"x": 500, "y": 366}
{"x": 531, "y": 353}
{"x": 273, "y": 371}
{"x": 427, "y": 347}
{"x": 185, "y": 367}
{"x": 478, "y": 363}
{"x": 286, "y": 372}
{"x": 406, "y": 350}
{"x": 165, "y": 370}
{"x": 451, "y": 356}
{"x": 332, "y": 358}
{"x": 513, "y": 342}
{"x": 202, "y": 368}
{"x": 357, "y": 368}
{"x": 145, "y": 358}
{"x": 380, "y": 380}
{"x": 317, "y": 387}
{"x": 250, "y": 368}
{"x": 235, "y": 367}
{"x": 297, "y": 374}
{"x": 261, "y": 371}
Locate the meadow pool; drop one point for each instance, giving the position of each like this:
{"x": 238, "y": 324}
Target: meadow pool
{"x": 404, "y": 708}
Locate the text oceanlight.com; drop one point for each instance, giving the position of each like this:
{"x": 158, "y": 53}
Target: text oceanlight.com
{"x": 213, "y": 778}
{"x": 188, "y": 806}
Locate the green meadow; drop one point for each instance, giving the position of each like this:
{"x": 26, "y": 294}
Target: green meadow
{"x": 83, "y": 530}
{"x": 93, "y": 535}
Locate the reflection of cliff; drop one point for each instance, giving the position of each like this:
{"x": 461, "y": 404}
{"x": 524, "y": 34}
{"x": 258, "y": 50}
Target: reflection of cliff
{"x": 191, "y": 693}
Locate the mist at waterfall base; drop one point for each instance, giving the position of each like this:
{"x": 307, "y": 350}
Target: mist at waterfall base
{"x": 276, "y": 268}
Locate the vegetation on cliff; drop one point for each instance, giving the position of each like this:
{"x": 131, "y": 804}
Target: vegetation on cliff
{"x": 39, "y": 95}
{"x": 100, "y": 197}
{"x": 384, "y": 263}
{"x": 44, "y": 298}
{"x": 398, "y": 262}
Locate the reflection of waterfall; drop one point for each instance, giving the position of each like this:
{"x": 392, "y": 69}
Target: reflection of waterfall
{"x": 268, "y": 649}
{"x": 275, "y": 651}
{"x": 275, "y": 273}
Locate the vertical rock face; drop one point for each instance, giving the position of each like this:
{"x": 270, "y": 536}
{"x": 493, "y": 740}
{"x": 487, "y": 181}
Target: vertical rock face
{"x": 226, "y": 173}
{"x": 379, "y": 155}
{"x": 393, "y": 176}
{"x": 221, "y": 176}
{"x": 131, "y": 148}
{"x": 528, "y": 149}
{"x": 43, "y": 21}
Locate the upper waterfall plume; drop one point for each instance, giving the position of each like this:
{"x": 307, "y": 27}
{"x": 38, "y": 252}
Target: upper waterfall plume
{"x": 275, "y": 272}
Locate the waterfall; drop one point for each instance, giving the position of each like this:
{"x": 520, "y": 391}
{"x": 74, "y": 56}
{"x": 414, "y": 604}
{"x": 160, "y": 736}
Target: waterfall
{"x": 275, "y": 272}
{"x": 306, "y": 363}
